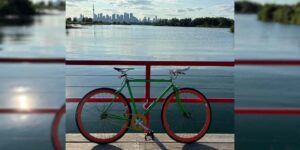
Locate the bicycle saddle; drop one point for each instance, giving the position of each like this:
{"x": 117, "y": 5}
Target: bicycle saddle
{"x": 123, "y": 70}
{"x": 179, "y": 71}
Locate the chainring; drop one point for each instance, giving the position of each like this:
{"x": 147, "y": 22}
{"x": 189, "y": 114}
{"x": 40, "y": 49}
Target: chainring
{"x": 133, "y": 124}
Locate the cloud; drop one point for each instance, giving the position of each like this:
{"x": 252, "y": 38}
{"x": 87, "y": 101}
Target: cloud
{"x": 144, "y": 8}
{"x": 199, "y": 8}
{"x": 181, "y": 10}
{"x": 171, "y": 15}
{"x": 130, "y": 3}
{"x": 71, "y": 4}
{"x": 112, "y": 10}
{"x": 188, "y": 10}
{"x": 140, "y": 2}
{"x": 225, "y": 8}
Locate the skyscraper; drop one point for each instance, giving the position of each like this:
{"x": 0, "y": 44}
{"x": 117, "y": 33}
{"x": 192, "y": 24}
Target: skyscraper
{"x": 113, "y": 17}
{"x": 94, "y": 15}
{"x": 126, "y": 17}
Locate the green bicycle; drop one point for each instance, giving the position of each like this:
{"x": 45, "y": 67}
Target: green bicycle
{"x": 104, "y": 115}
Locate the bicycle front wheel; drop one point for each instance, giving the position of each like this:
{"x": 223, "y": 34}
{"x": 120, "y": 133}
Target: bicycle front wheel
{"x": 103, "y": 116}
{"x": 187, "y": 119}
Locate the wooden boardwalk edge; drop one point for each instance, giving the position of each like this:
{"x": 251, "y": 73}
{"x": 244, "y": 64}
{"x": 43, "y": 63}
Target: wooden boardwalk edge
{"x": 135, "y": 141}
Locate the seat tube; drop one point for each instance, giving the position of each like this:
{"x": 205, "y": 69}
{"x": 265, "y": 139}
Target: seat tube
{"x": 131, "y": 97}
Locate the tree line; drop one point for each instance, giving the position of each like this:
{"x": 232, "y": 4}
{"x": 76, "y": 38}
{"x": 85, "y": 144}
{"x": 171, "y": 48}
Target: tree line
{"x": 246, "y": 7}
{"x": 26, "y": 7}
{"x": 187, "y": 22}
{"x": 16, "y": 7}
{"x": 289, "y": 14}
{"x": 197, "y": 22}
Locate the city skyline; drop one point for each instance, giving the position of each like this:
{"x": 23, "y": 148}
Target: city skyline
{"x": 165, "y": 9}
{"x": 118, "y": 18}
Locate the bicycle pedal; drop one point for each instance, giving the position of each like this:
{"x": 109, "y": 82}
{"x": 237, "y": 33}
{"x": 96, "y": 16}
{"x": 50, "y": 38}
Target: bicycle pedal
{"x": 149, "y": 134}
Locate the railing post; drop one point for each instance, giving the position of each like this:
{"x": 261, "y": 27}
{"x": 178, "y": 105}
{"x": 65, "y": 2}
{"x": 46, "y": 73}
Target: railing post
{"x": 147, "y": 92}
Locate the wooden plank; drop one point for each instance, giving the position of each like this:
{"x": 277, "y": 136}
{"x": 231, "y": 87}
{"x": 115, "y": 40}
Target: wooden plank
{"x": 135, "y": 141}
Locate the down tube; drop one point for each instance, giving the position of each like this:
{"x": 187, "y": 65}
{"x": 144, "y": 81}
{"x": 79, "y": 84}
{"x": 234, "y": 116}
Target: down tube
{"x": 158, "y": 99}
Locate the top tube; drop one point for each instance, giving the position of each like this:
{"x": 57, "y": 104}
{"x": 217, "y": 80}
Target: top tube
{"x": 151, "y": 80}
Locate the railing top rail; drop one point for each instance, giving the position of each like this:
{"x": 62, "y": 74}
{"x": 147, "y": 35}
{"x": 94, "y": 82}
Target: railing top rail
{"x": 277, "y": 62}
{"x": 150, "y": 63}
{"x": 30, "y": 111}
{"x": 262, "y": 62}
{"x": 32, "y": 60}
{"x": 267, "y": 110}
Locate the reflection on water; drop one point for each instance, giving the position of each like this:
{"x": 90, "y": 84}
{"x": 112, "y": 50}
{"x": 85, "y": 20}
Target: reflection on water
{"x": 20, "y": 21}
{"x": 266, "y": 86}
{"x": 136, "y": 42}
{"x": 256, "y": 39}
{"x": 43, "y": 38}
{"x": 29, "y": 86}
{"x": 22, "y": 99}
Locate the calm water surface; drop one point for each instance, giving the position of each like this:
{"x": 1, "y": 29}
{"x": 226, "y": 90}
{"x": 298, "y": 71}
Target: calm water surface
{"x": 25, "y": 86}
{"x": 114, "y": 42}
{"x": 266, "y": 86}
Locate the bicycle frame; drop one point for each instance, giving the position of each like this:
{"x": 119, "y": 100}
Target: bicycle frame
{"x": 126, "y": 83}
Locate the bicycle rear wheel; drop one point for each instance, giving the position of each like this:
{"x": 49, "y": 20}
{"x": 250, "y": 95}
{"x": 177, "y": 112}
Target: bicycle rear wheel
{"x": 190, "y": 126}
{"x": 101, "y": 126}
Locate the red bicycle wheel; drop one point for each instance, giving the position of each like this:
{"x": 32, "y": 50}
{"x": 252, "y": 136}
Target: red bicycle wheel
{"x": 186, "y": 127}
{"x": 58, "y": 143}
{"x": 97, "y": 126}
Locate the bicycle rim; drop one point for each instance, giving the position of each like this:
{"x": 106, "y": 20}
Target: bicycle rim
{"x": 100, "y": 128}
{"x": 190, "y": 127}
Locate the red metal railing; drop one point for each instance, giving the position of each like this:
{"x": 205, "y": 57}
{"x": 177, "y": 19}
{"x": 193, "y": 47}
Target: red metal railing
{"x": 58, "y": 112}
{"x": 148, "y": 64}
{"x": 267, "y": 110}
{"x": 33, "y": 60}
{"x": 29, "y": 111}
{"x": 267, "y": 62}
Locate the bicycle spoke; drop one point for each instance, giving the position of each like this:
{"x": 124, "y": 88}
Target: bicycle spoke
{"x": 99, "y": 126}
{"x": 187, "y": 127}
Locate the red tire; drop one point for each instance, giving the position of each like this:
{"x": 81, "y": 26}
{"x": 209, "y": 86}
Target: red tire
{"x": 55, "y": 129}
{"x": 90, "y": 110}
{"x": 186, "y": 127}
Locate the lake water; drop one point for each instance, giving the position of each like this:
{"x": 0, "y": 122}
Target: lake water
{"x": 43, "y": 85}
{"x": 266, "y": 86}
{"x": 25, "y": 86}
{"x": 115, "y": 42}
{"x": 121, "y": 42}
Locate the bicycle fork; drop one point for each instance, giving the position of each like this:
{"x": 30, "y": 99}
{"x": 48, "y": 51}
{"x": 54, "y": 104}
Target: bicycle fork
{"x": 180, "y": 105}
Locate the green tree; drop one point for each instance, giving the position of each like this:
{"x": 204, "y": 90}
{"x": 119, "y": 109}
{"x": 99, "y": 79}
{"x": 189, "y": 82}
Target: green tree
{"x": 16, "y": 7}
{"x": 266, "y": 13}
{"x": 246, "y": 7}
{"x": 295, "y": 19}
{"x": 283, "y": 14}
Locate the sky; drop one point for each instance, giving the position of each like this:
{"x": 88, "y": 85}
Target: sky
{"x": 150, "y": 8}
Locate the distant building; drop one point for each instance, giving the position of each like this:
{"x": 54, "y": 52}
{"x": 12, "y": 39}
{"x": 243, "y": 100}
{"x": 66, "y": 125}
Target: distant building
{"x": 81, "y": 17}
{"x": 119, "y": 18}
{"x": 126, "y": 18}
{"x": 114, "y": 18}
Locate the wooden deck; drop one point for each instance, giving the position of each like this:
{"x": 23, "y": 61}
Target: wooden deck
{"x": 135, "y": 141}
